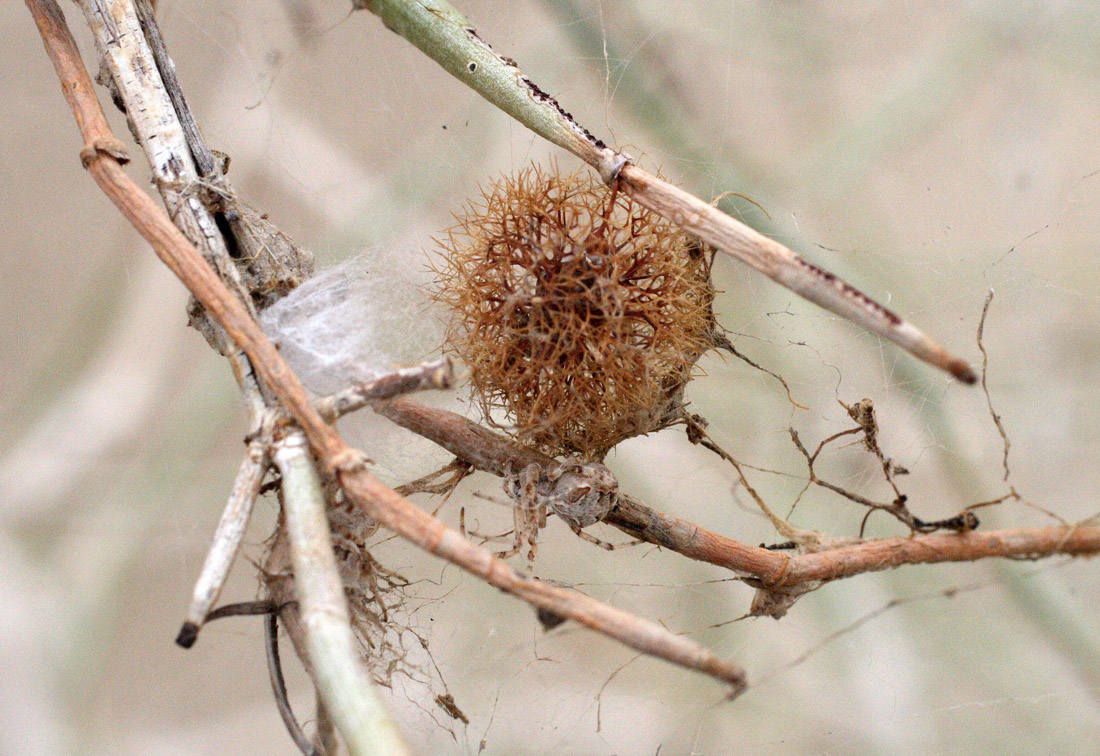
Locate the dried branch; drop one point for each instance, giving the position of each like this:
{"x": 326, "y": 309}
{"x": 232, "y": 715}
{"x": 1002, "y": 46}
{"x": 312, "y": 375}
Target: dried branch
{"x": 346, "y": 464}
{"x": 497, "y": 454}
{"x": 227, "y": 540}
{"x": 438, "y": 374}
{"x": 864, "y": 414}
{"x": 278, "y": 684}
{"x": 342, "y": 682}
{"x": 205, "y": 161}
{"x": 494, "y": 453}
{"x": 136, "y": 84}
{"x": 887, "y": 553}
{"x": 270, "y": 610}
{"x": 1006, "y": 444}
{"x": 442, "y": 33}
{"x": 120, "y": 41}
{"x": 258, "y": 263}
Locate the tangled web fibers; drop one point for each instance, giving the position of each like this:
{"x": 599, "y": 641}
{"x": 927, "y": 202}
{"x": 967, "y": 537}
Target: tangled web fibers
{"x": 579, "y": 313}
{"x": 353, "y": 321}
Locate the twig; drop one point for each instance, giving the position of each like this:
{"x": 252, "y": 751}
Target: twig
{"x": 101, "y": 156}
{"x": 237, "y": 242}
{"x": 863, "y": 413}
{"x": 985, "y": 389}
{"x": 121, "y": 43}
{"x": 343, "y": 683}
{"x": 443, "y": 34}
{"x": 379, "y": 501}
{"x": 268, "y": 262}
{"x": 697, "y": 434}
{"x": 1006, "y": 444}
{"x": 200, "y": 151}
{"x": 495, "y": 453}
{"x": 887, "y": 553}
{"x": 278, "y": 684}
{"x": 227, "y": 540}
{"x": 150, "y": 111}
{"x": 723, "y": 342}
{"x": 438, "y": 374}
{"x": 271, "y": 609}
{"x": 242, "y": 609}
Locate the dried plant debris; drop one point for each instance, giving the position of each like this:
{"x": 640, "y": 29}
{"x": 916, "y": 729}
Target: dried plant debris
{"x": 269, "y": 264}
{"x": 580, "y": 314}
{"x": 383, "y": 605}
{"x": 386, "y": 608}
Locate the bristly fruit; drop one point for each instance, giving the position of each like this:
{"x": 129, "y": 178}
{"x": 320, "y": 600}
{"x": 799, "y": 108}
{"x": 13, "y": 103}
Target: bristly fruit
{"x": 579, "y": 313}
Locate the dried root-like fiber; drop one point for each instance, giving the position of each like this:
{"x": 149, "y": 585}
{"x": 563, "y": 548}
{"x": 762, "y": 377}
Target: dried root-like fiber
{"x": 579, "y": 313}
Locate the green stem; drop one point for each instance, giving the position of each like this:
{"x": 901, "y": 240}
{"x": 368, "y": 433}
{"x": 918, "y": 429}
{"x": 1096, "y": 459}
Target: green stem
{"x": 445, "y": 36}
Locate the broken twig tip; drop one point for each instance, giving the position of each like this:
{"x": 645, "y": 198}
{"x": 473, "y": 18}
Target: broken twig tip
{"x": 188, "y": 634}
{"x": 964, "y": 372}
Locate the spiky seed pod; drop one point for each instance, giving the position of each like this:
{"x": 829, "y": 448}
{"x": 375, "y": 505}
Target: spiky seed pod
{"x": 579, "y": 313}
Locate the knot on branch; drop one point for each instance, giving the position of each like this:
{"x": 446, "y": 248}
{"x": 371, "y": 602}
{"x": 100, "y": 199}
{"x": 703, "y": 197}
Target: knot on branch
{"x": 346, "y": 461}
{"x": 104, "y": 146}
{"x": 611, "y": 165}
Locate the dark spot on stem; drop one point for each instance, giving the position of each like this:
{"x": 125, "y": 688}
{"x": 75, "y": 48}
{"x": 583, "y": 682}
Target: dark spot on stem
{"x": 849, "y": 291}
{"x": 533, "y": 88}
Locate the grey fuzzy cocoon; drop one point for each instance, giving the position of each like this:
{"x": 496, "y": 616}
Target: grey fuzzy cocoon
{"x": 354, "y": 321}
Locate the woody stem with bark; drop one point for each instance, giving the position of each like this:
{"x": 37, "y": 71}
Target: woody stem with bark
{"x": 495, "y": 453}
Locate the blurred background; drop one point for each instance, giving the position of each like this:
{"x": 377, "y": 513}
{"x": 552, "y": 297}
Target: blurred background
{"x": 927, "y": 152}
